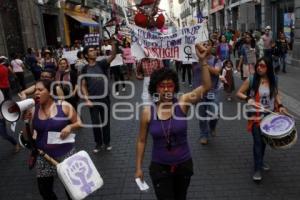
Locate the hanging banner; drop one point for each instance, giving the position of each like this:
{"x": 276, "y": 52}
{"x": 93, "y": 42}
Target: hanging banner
{"x": 179, "y": 45}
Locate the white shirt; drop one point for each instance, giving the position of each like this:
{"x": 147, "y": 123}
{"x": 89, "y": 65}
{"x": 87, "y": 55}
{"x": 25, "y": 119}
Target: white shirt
{"x": 17, "y": 65}
{"x": 117, "y": 61}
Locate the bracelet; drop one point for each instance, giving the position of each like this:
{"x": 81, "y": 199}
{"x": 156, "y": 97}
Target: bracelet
{"x": 280, "y": 106}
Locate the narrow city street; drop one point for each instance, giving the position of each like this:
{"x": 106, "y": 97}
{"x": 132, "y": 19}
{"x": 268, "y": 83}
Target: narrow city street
{"x": 222, "y": 169}
{"x": 237, "y": 61}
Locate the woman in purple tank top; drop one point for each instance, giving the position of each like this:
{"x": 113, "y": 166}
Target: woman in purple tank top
{"x": 171, "y": 166}
{"x": 50, "y": 116}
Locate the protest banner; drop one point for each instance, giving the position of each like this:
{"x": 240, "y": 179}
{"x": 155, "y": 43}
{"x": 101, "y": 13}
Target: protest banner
{"x": 71, "y": 56}
{"x": 179, "y": 45}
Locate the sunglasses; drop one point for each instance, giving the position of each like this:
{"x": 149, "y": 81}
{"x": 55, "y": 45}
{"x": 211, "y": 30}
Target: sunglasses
{"x": 166, "y": 85}
{"x": 262, "y": 65}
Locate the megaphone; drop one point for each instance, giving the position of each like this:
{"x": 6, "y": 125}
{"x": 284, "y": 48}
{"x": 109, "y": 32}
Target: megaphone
{"x": 12, "y": 111}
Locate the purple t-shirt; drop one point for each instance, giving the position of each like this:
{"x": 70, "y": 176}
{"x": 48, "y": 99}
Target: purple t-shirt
{"x": 197, "y": 70}
{"x": 179, "y": 151}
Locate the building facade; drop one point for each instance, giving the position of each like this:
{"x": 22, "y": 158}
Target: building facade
{"x": 296, "y": 42}
{"x": 10, "y": 28}
{"x": 48, "y": 23}
{"x": 246, "y": 15}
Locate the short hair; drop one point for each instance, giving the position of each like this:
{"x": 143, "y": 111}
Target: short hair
{"x": 162, "y": 74}
{"x": 86, "y": 50}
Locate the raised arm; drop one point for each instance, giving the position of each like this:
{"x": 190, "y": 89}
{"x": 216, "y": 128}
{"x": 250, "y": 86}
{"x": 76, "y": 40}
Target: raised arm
{"x": 113, "y": 52}
{"x": 195, "y": 95}
{"x": 27, "y": 92}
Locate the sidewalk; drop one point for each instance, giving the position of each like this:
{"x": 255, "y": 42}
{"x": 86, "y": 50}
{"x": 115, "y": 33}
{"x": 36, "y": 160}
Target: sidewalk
{"x": 289, "y": 87}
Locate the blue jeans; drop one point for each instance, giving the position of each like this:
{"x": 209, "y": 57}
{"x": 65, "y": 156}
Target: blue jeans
{"x": 258, "y": 148}
{"x": 282, "y": 61}
{"x": 207, "y": 125}
{"x": 3, "y": 133}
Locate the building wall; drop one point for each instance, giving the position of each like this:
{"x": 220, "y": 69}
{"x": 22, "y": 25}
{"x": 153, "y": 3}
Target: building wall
{"x": 296, "y": 46}
{"x": 11, "y": 32}
{"x": 266, "y": 13}
{"x": 246, "y": 17}
{"x": 52, "y": 10}
{"x": 3, "y": 49}
{"x": 31, "y": 24}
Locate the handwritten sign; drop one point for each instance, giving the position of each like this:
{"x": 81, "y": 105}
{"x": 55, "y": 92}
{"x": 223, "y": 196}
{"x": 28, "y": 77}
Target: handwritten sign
{"x": 179, "y": 45}
{"x": 71, "y": 56}
{"x": 91, "y": 39}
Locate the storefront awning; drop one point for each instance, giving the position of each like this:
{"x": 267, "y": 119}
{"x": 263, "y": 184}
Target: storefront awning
{"x": 84, "y": 21}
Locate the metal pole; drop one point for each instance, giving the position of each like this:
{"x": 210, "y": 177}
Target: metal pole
{"x": 100, "y": 27}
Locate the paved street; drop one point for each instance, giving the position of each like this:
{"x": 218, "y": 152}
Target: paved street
{"x": 222, "y": 169}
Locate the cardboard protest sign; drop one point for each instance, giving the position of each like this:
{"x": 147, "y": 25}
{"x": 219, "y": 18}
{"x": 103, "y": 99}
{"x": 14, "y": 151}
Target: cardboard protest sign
{"x": 71, "y": 56}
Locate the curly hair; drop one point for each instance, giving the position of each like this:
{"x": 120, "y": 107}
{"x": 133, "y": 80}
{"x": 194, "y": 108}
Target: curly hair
{"x": 160, "y": 75}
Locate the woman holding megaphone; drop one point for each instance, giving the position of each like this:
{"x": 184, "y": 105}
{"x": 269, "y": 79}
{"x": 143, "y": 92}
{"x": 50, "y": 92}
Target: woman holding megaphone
{"x": 51, "y": 117}
{"x": 3, "y": 132}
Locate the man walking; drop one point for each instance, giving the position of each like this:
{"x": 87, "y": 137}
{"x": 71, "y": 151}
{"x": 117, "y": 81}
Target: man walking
{"x": 94, "y": 87}
{"x": 267, "y": 39}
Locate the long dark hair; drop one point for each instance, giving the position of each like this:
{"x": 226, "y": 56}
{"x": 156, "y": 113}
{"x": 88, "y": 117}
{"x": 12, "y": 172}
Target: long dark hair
{"x": 270, "y": 75}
